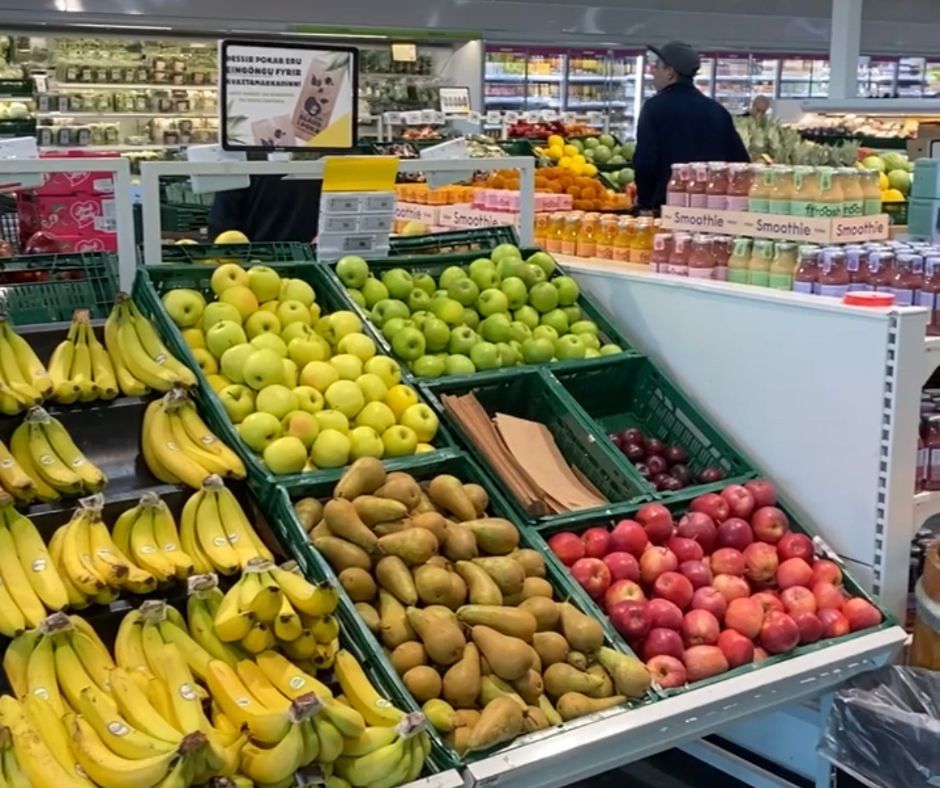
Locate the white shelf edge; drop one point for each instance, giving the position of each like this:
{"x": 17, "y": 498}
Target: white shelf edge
{"x": 449, "y": 779}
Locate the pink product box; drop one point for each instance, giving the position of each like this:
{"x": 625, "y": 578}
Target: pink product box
{"x": 80, "y": 216}
{"x": 66, "y": 183}
{"x": 90, "y": 242}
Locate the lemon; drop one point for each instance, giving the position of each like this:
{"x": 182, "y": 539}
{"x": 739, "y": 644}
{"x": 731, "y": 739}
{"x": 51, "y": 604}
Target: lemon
{"x": 577, "y": 168}
{"x": 566, "y": 162}
{"x": 590, "y": 169}
{"x": 231, "y": 237}
{"x": 555, "y": 152}
{"x": 892, "y": 195}
{"x": 556, "y": 140}
{"x": 571, "y": 150}
{"x": 882, "y": 181}
{"x": 579, "y": 159}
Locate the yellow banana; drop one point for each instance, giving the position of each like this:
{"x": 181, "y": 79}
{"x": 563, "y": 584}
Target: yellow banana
{"x": 36, "y": 761}
{"x": 102, "y": 370}
{"x": 231, "y": 621}
{"x": 47, "y": 722}
{"x": 331, "y": 741}
{"x": 35, "y": 560}
{"x": 48, "y": 464}
{"x": 76, "y": 556}
{"x": 144, "y": 550}
{"x": 80, "y": 373}
{"x": 325, "y": 655}
{"x": 122, "y": 738}
{"x": 12, "y": 622}
{"x": 72, "y": 676}
{"x": 16, "y": 581}
{"x": 211, "y": 532}
{"x": 307, "y": 598}
{"x": 195, "y": 655}
{"x": 167, "y": 537}
{"x": 13, "y": 478}
{"x": 188, "y": 540}
{"x": 41, "y": 678}
{"x": 260, "y": 686}
{"x": 311, "y": 742}
{"x": 107, "y": 768}
{"x": 267, "y": 603}
{"x": 128, "y": 646}
{"x": 16, "y": 660}
{"x": 14, "y": 377}
{"x": 238, "y": 704}
{"x": 287, "y": 624}
{"x": 202, "y": 629}
{"x": 138, "y": 710}
{"x": 92, "y": 477}
{"x": 77, "y": 600}
{"x": 107, "y": 562}
{"x": 273, "y": 764}
{"x": 346, "y": 719}
{"x": 28, "y": 362}
{"x": 301, "y": 648}
{"x": 165, "y": 450}
{"x": 241, "y": 533}
{"x": 369, "y": 768}
{"x": 259, "y": 638}
{"x": 288, "y": 678}
{"x": 207, "y": 459}
{"x": 146, "y": 369}
{"x": 325, "y": 629}
{"x": 202, "y": 436}
{"x": 88, "y": 630}
{"x": 98, "y": 665}
{"x": 129, "y": 385}
{"x": 371, "y": 739}
{"x": 184, "y": 699}
{"x": 155, "y": 348}
{"x": 121, "y": 530}
{"x": 20, "y": 449}
{"x": 360, "y": 693}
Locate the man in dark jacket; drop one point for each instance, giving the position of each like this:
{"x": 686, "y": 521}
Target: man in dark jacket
{"x": 679, "y": 124}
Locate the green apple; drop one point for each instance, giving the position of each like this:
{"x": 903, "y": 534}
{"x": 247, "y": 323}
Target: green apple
{"x": 358, "y": 344}
{"x": 436, "y": 333}
{"x": 321, "y": 325}
{"x": 297, "y": 331}
{"x": 557, "y": 319}
{"x": 332, "y": 420}
{"x": 399, "y": 441}
{"x": 470, "y": 318}
{"x": 418, "y": 318}
{"x": 568, "y": 290}
{"x": 610, "y": 349}
{"x": 352, "y": 270}
{"x": 185, "y": 307}
{"x": 206, "y": 361}
{"x": 330, "y": 449}
{"x": 346, "y": 397}
{"x": 277, "y": 400}
{"x": 297, "y": 290}
{"x": 409, "y": 344}
{"x": 373, "y": 387}
{"x": 509, "y": 267}
{"x": 233, "y": 362}
{"x": 449, "y": 310}
{"x": 270, "y": 342}
{"x": 365, "y": 442}
{"x": 386, "y": 368}
{"x": 532, "y": 275}
{"x": 428, "y": 366}
{"x": 418, "y": 300}
{"x": 399, "y": 283}
{"x": 459, "y": 364}
{"x": 465, "y": 291}
{"x": 264, "y": 282}
{"x": 569, "y": 346}
{"x": 547, "y": 332}
{"x": 293, "y": 312}
{"x": 314, "y": 310}
{"x": 537, "y": 350}
{"x": 507, "y": 355}
{"x": 482, "y": 266}
{"x": 238, "y": 401}
{"x": 590, "y": 352}
{"x": 492, "y": 301}
{"x": 348, "y": 365}
{"x": 485, "y": 277}
{"x": 341, "y": 323}
{"x": 374, "y": 291}
{"x": 228, "y": 275}
{"x": 517, "y": 346}
{"x": 388, "y": 308}
{"x": 259, "y": 429}
{"x": 291, "y": 373}
{"x": 308, "y": 399}
{"x": 450, "y": 275}
{"x": 519, "y": 331}
{"x": 573, "y": 312}
{"x": 242, "y": 299}
{"x": 424, "y": 282}
{"x": 485, "y": 355}
{"x": 462, "y": 340}
{"x": 319, "y": 375}
{"x": 394, "y": 325}
{"x": 590, "y": 341}
{"x": 216, "y": 312}
{"x": 285, "y": 455}
{"x": 515, "y": 291}
{"x": 217, "y": 382}
{"x": 496, "y": 328}
{"x": 528, "y": 315}
{"x": 263, "y": 368}
{"x": 544, "y": 297}
{"x": 377, "y": 415}
{"x": 422, "y": 420}
{"x": 505, "y": 250}
{"x": 544, "y": 261}
{"x": 270, "y": 306}
{"x": 585, "y": 327}
{"x": 262, "y": 322}
{"x": 224, "y": 335}
{"x": 303, "y": 351}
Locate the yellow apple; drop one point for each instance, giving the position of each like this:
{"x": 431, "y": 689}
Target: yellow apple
{"x": 304, "y": 350}
{"x": 262, "y": 322}
{"x": 358, "y": 344}
{"x": 194, "y": 337}
{"x": 400, "y": 398}
{"x": 218, "y": 382}
{"x": 231, "y": 237}
{"x": 342, "y": 323}
{"x": 399, "y": 441}
{"x": 365, "y": 442}
{"x": 347, "y": 365}
{"x": 297, "y": 290}
{"x": 332, "y": 420}
{"x": 259, "y": 429}
{"x": 264, "y": 282}
{"x": 319, "y": 374}
{"x": 314, "y": 313}
{"x": 270, "y": 306}
{"x": 386, "y": 368}
{"x": 292, "y": 312}
{"x": 290, "y": 373}
{"x": 206, "y": 361}
{"x": 373, "y": 387}
{"x": 330, "y": 449}
{"x": 277, "y": 400}
{"x": 309, "y": 399}
{"x": 217, "y": 312}
{"x": 346, "y": 397}
{"x": 422, "y": 420}
{"x": 287, "y": 454}
{"x": 242, "y": 299}
{"x": 270, "y": 342}
{"x": 301, "y": 424}
{"x": 421, "y": 448}
{"x": 185, "y": 307}
{"x": 233, "y": 362}
{"x": 377, "y": 415}
{"x": 227, "y": 276}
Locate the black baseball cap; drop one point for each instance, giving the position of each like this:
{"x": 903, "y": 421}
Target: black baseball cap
{"x": 679, "y": 56}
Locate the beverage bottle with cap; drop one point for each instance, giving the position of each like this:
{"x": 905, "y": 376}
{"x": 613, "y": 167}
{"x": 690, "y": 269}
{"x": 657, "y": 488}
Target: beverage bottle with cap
{"x": 679, "y": 256}
{"x": 805, "y": 191}
{"x": 739, "y": 260}
{"x": 677, "y": 194}
{"x": 542, "y": 222}
{"x": 624, "y": 238}
{"x": 701, "y": 260}
{"x": 881, "y": 270}
{"x": 662, "y": 248}
{"x": 569, "y": 241}
{"x": 758, "y": 267}
{"x": 761, "y": 184}
{"x": 716, "y": 190}
{"x": 907, "y": 279}
{"x": 806, "y": 275}
{"x": 739, "y": 184}
{"x": 780, "y": 275}
{"x": 871, "y": 192}
{"x": 932, "y": 445}
{"x": 829, "y": 201}
{"x": 722, "y": 246}
{"x": 697, "y": 185}
{"x": 856, "y": 261}
{"x": 586, "y": 245}
{"x": 929, "y": 295}
{"x": 641, "y": 246}
{"x": 606, "y": 232}
{"x": 781, "y": 191}
{"x": 555, "y": 233}
{"x": 853, "y": 198}
{"x": 834, "y": 277}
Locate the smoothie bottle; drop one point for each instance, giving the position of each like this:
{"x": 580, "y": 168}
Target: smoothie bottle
{"x": 834, "y": 277}
{"x": 716, "y": 190}
{"x": 679, "y": 256}
{"x": 881, "y": 270}
{"x": 701, "y": 261}
{"x": 853, "y": 198}
{"x": 677, "y": 194}
{"x": 871, "y": 192}
{"x": 829, "y": 200}
{"x": 606, "y": 233}
{"x": 761, "y": 184}
{"x": 906, "y": 283}
{"x": 739, "y": 260}
{"x": 739, "y": 185}
{"x": 586, "y": 245}
{"x": 623, "y": 239}
{"x": 856, "y": 261}
{"x": 758, "y": 267}
{"x": 806, "y": 276}
{"x": 641, "y": 246}
{"x": 805, "y": 191}
{"x": 662, "y": 248}
{"x": 722, "y": 246}
{"x": 556, "y": 232}
{"x": 929, "y": 295}
{"x": 781, "y": 191}
{"x": 780, "y": 276}
{"x": 697, "y": 186}
{"x": 569, "y": 241}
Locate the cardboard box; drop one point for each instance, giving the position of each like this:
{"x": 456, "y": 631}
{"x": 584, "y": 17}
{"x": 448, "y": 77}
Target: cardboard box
{"x": 71, "y": 216}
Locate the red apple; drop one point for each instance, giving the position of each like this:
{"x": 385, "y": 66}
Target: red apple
{"x": 674, "y": 587}
{"x": 833, "y": 622}
{"x": 798, "y": 599}
{"x": 667, "y": 671}
{"x": 769, "y": 601}
{"x": 738, "y": 650}
{"x": 709, "y": 598}
{"x": 794, "y": 545}
{"x": 656, "y": 520}
{"x": 861, "y": 614}
{"x": 698, "y": 573}
{"x": 593, "y": 575}
{"x": 759, "y": 654}
{"x": 701, "y": 662}
{"x": 763, "y": 491}
{"x": 769, "y": 524}
{"x": 740, "y": 501}
{"x": 662, "y": 641}
{"x": 745, "y": 615}
{"x": 654, "y": 562}
{"x": 622, "y": 566}
{"x": 731, "y": 587}
{"x": 664, "y": 613}
{"x": 685, "y": 549}
{"x": 623, "y": 591}
{"x": 728, "y": 561}
{"x": 827, "y": 595}
{"x": 811, "y": 628}
{"x": 760, "y": 561}
{"x": 596, "y": 542}
{"x": 628, "y": 536}
{"x": 700, "y": 628}
{"x": 631, "y": 620}
{"x": 700, "y": 527}
{"x": 827, "y": 571}
{"x": 713, "y": 505}
{"x": 794, "y": 572}
{"x": 567, "y": 546}
{"x": 779, "y": 633}
{"x": 734, "y": 532}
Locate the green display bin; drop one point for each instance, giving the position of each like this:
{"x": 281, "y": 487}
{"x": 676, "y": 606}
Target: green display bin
{"x": 180, "y": 218}
{"x": 464, "y": 468}
{"x": 616, "y": 395}
{"x": 457, "y": 241}
{"x": 243, "y": 254}
{"x": 155, "y": 280}
{"x": 528, "y": 394}
{"x": 48, "y": 288}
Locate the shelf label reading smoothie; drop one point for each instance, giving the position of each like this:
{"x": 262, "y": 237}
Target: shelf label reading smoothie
{"x": 287, "y": 97}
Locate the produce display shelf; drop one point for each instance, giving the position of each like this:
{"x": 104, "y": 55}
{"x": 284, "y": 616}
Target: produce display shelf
{"x": 455, "y": 241}
{"x": 248, "y": 254}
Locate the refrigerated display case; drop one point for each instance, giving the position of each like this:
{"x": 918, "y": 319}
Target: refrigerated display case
{"x": 732, "y": 82}
{"x": 877, "y": 76}
{"x": 932, "y": 78}
{"x": 910, "y": 81}
{"x": 803, "y": 77}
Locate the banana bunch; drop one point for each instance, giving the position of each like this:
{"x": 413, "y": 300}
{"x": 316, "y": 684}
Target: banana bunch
{"x": 141, "y": 361}
{"x": 80, "y": 368}
{"x": 24, "y": 381}
{"x": 215, "y": 531}
{"x": 178, "y": 447}
{"x": 271, "y": 605}
{"x": 45, "y": 452}
{"x": 147, "y": 534}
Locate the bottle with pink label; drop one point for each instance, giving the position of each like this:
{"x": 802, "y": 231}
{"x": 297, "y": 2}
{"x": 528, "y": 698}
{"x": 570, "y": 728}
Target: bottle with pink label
{"x": 739, "y": 186}
{"x": 834, "y": 279}
{"x": 677, "y": 189}
{"x": 679, "y": 256}
{"x": 701, "y": 259}
{"x": 929, "y": 295}
{"x": 716, "y": 189}
{"x": 722, "y": 246}
{"x": 806, "y": 275}
{"x": 662, "y": 249}
{"x": 907, "y": 281}
{"x": 698, "y": 185}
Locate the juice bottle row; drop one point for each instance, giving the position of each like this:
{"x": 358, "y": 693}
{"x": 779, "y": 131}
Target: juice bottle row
{"x": 812, "y": 192}
{"x": 624, "y": 239}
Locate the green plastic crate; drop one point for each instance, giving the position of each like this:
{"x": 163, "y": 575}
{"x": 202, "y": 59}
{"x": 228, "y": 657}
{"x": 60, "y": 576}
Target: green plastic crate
{"x": 478, "y": 240}
{"x": 48, "y": 288}
{"x": 465, "y": 469}
{"x": 578, "y": 524}
{"x": 244, "y": 254}
{"x": 155, "y": 280}
{"x": 181, "y": 218}
{"x": 528, "y": 395}
{"x": 623, "y": 393}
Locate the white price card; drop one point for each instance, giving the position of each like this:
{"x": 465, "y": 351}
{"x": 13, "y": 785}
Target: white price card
{"x": 532, "y": 116}
{"x": 494, "y": 117}
{"x": 392, "y": 118}
{"x": 511, "y": 117}
{"x": 413, "y": 118}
